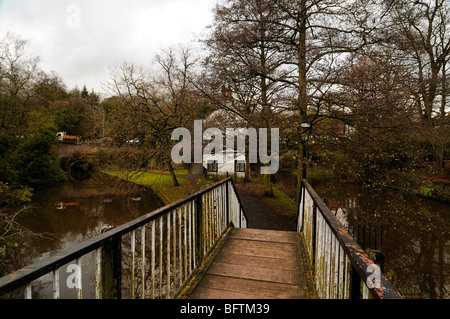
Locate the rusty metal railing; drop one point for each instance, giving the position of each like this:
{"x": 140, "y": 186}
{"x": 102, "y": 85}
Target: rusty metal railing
{"x": 152, "y": 256}
{"x": 340, "y": 268}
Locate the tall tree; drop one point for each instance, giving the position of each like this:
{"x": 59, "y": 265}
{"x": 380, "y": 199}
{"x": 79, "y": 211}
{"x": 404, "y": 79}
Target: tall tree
{"x": 305, "y": 43}
{"x": 317, "y": 36}
{"x": 18, "y": 72}
{"x": 419, "y": 32}
{"x": 149, "y": 105}
{"x": 245, "y": 63}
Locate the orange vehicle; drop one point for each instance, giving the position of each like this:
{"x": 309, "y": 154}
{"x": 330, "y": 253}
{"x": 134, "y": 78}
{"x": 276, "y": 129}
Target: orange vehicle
{"x": 62, "y": 136}
{"x": 64, "y": 205}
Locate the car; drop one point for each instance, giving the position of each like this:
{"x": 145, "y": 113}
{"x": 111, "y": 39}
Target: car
{"x": 133, "y": 141}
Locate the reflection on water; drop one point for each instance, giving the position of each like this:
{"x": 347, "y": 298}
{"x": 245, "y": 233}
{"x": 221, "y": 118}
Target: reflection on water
{"x": 412, "y": 232}
{"x": 72, "y": 212}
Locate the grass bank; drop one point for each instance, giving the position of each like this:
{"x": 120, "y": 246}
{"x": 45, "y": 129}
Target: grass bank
{"x": 159, "y": 181}
{"x": 279, "y": 203}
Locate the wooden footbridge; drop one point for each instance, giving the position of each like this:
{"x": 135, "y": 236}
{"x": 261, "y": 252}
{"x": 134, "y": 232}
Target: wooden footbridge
{"x": 200, "y": 248}
{"x": 254, "y": 264}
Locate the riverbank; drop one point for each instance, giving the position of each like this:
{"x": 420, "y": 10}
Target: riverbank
{"x": 161, "y": 182}
{"x": 424, "y": 183}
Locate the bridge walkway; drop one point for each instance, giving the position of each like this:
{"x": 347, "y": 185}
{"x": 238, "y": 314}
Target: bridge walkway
{"x": 254, "y": 264}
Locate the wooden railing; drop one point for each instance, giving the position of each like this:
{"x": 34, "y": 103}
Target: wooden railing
{"x": 152, "y": 256}
{"x": 340, "y": 268}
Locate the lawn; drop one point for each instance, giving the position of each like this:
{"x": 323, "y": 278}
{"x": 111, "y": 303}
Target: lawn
{"x": 280, "y": 202}
{"x": 160, "y": 181}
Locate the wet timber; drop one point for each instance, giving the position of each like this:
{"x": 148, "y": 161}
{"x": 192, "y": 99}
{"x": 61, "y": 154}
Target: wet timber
{"x": 255, "y": 264}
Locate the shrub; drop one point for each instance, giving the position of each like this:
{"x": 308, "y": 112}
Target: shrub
{"x": 34, "y": 160}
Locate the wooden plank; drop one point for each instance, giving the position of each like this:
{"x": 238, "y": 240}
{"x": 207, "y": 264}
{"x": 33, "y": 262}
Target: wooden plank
{"x": 208, "y": 293}
{"x": 240, "y": 244}
{"x": 265, "y": 235}
{"x": 255, "y": 273}
{"x": 240, "y": 248}
{"x": 255, "y": 264}
{"x": 222, "y": 287}
{"x": 251, "y": 261}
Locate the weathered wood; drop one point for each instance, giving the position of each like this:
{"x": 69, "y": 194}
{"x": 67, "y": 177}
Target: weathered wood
{"x": 228, "y": 257}
{"x": 216, "y": 287}
{"x": 255, "y": 273}
{"x": 255, "y": 264}
{"x": 278, "y": 249}
{"x": 265, "y": 235}
{"x": 112, "y": 268}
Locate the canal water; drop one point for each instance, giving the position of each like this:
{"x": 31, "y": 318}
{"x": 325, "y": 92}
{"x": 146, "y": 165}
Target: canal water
{"x": 412, "y": 232}
{"x": 72, "y": 212}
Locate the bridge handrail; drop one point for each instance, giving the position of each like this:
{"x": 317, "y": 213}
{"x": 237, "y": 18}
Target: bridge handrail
{"x": 341, "y": 269}
{"x": 219, "y": 203}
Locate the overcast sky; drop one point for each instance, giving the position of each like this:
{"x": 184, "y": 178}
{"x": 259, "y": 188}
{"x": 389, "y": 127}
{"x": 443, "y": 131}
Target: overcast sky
{"x": 80, "y": 39}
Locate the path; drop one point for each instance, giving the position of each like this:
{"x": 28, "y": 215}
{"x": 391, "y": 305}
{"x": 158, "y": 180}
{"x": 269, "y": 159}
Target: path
{"x": 260, "y": 216}
{"x": 255, "y": 264}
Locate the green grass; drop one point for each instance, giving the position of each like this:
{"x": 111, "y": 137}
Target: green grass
{"x": 160, "y": 181}
{"x": 160, "y": 172}
{"x": 149, "y": 178}
{"x": 281, "y": 202}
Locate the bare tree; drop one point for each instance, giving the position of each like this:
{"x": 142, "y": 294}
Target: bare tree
{"x": 18, "y": 72}
{"x": 150, "y": 104}
{"x": 306, "y": 43}
{"x": 317, "y": 37}
{"x": 419, "y": 33}
{"x": 245, "y": 64}
{"x": 419, "y": 30}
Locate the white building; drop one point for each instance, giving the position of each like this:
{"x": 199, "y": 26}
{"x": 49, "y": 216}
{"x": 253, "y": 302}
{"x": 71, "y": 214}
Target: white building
{"x": 219, "y": 164}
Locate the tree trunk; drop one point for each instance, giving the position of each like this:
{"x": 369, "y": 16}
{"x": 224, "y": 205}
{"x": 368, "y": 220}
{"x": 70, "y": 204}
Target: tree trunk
{"x": 444, "y": 90}
{"x": 268, "y": 189}
{"x": 300, "y": 170}
{"x": 247, "y": 177}
{"x": 302, "y": 96}
{"x": 172, "y": 173}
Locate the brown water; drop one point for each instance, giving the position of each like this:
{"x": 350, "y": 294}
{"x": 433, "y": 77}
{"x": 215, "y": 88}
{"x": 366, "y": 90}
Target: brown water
{"x": 412, "y": 232}
{"x": 72, "y": 212}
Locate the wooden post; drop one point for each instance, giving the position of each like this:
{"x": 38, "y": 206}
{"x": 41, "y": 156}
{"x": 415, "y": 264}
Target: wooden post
{"x": 199, "y": 235}
{"x": 112, "y": 268}
{"x": 314, "y": 234}
{"x": 227, "y": 207}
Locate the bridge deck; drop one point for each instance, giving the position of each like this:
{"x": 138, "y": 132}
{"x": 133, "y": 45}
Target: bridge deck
{"x": 255, "y": 264}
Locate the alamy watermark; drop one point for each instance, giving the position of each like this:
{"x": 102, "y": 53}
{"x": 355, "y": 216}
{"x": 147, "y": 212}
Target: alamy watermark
{"x": 374, "y": 279}
{"x": 74, "y": 279}
{"x": 257, "y": 146}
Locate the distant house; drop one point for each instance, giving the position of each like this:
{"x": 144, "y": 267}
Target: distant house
{"x": 217, "y": 165}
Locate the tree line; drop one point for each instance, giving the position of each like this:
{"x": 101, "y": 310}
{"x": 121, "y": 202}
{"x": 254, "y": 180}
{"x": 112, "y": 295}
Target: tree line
{"x": 358, "y": 86}
{"x": 34, "y": 105}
